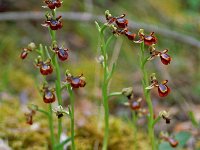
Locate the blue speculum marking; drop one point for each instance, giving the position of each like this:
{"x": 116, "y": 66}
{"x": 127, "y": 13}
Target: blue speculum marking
{"x": 163, "y": 88}
{"x": 165, "y": 56}
{"x": 76, "y": 80}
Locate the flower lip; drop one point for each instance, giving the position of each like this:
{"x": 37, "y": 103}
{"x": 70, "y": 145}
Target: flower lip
{"x": 165, "y": 58}
{"x": 48, "y": 94}
{"x": 130, "y": 36}
{"x": 135, "y": 104}
{"x": 163, "y": 89}
{"x": 63, "y": 54}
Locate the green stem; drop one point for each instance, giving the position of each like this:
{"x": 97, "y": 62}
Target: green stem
{"x": 58, "y": 92}
{"x": 43, "y": 111}
{"x": 145, "y": 83}
{"x": 106, "y": 78}
{"x": 50, "y": 116}
{"x": 105, "y": 88}
{"x": 134, "y": 115}
{"x": 58, "y": 77}
{"x": 115, "y": 94}
{"x": 106, "y": 115}
{"x": 60, "y": 145}
{"x": 71, "y": 95}
{"x": 156, "y": 121}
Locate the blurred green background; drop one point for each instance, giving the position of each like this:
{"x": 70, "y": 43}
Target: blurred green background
{"x": 19, "y": 78}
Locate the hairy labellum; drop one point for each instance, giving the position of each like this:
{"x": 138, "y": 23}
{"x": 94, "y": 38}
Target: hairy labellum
{"x": 163, "y": 90}
{"x": 165, "y": 58}
{"x": 130, "y": 36}
{"x": 48, "y": 96}
{"x": 46, "y": 69}
{"x": 135, "y": 105}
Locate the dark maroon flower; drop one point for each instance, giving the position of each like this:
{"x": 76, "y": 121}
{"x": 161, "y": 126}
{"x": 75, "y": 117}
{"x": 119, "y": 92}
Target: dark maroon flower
{"x": 62, "y": 53}
{"x": 54, "y": 24}
{"x": 120, "y": 21}
{"x": 135, "y": 104}
{"x": 164, "y": 57}
{"x": 52, "y": 4}
{"x": 45, "y": 67}
{"x": 163, "y": 89}
{"x": 48, "y": 94}
{"x": 76, "y": 82}
{"x": 148, "y": 39}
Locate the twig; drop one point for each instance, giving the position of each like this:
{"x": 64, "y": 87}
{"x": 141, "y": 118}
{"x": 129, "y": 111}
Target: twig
{"x": 83, "y": 16}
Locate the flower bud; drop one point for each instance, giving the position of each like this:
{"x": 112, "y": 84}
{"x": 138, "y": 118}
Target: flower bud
{"x": 128, "y": 92}
{"x": 31, "y": 46}
{"x": 165, "y": 116}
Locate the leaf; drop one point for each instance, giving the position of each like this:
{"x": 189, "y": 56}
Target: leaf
{"x": 111, "y": 72}
{"x": 97, "y": 26}
{"x": 60, "y": 145}
{"x": 182, "y": 137}
{"x": 193, "y": 119}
